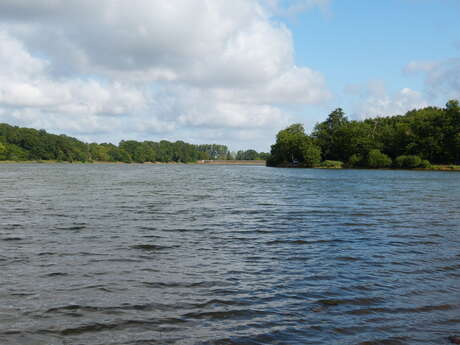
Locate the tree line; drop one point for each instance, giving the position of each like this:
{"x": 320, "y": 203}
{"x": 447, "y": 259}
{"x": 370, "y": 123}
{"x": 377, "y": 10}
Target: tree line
{"x": 415, "y": 140}
{"x": 22, "y": 144}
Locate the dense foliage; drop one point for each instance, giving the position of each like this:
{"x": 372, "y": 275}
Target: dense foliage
{"x": 20, "y": 144}
{"x": 251, "y": 155}
{"x": 294, "y": 147}
{"x": 414, "y": 140}
{"x": 31, "y": 144}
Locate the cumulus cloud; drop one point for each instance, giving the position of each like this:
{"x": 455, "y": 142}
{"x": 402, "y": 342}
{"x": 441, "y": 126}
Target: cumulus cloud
{"x": 290, "y": 8}
{"x": 441, "y": 78}
{"x": 162, "y": 66}
{"x": 32, "y": 96}
{"x": 375, "y": 100}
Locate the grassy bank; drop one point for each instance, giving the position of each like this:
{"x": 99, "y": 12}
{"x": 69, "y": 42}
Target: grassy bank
{"x": 432, "y": 168}
{"x": 445, "y": 167}
{"x": 233, "y": 162}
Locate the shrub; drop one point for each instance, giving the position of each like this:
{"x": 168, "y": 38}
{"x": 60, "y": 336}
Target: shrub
{"x": 408, "y": 162}
{"x": 355, "y": 161}
{"x": 412, "y": 162}
{"x": 16, "y": 153}
{"x": 3, "y": 151}
{"x": 377, "y": 159}
{"x": 425, "y": 164}
{"x": 311, "y": 155}
{"x": 331, "y": 164}
{"x": 399, "y": 162}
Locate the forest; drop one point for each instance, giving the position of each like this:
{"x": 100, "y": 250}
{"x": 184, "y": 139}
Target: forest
{"x": 417, "y": 139}
{"x": 27, "y": 144}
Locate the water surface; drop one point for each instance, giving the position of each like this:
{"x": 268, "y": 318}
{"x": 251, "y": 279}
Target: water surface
{"x": 193, "y": 254}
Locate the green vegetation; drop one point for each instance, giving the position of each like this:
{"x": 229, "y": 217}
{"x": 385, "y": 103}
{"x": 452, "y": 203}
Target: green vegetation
{"x": 251, "y": 155}
{"x": 450, "y": 167}
{"x": 374, "y": 159}
{"x": 427, "y": 138}
{"x": 415, "y": 140}
{"x": 331, "y": 164}
{"x": 26, "y": 144}
{"x": 294, "y": 148}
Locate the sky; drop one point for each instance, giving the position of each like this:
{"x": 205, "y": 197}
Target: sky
{"x": 218, "y": 71}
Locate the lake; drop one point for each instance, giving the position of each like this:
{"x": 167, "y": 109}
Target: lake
{"x": 195, "y": 254}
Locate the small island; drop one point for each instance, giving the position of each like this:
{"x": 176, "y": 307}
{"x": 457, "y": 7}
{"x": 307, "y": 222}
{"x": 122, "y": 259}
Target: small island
{"x": 427, "y": 138}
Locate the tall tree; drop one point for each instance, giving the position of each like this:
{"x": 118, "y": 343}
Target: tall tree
{"x": 293, "y": 146}
{"x": 325, "y": 134}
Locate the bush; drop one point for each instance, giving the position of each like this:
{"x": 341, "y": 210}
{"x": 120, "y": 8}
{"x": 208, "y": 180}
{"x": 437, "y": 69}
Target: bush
{"x": 16, "y": 153}
{"x": 399, "y": 162}
{"x": 355, "y": 161}
{"x": 294, "y": 148}
{"x": 408, "y": 162}
{"x": 412, "y": 162}
{"x": 311, "y": 155}
{"x": 377, "y": 159}
{"x": 425, "y": 164}
{"x": 331, "y": 164}
{"x": 3, "y": 151}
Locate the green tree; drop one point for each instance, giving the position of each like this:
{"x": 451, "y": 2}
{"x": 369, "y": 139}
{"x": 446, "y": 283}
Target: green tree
{"x": 377, "y": 159}
{"x": 354, "y": 137}
{"x": 452, "y": 131}
{"x": 248, "y": 155}
{"x": 408, "y": 162}
{"x": 325, "y": 134}
{"x": 355, "y": 161}
{"x": 16, "y": 153}
{"x": 2, "y": 151}
{"x": 293, "y": 146}
{"x": 311, "y": 154}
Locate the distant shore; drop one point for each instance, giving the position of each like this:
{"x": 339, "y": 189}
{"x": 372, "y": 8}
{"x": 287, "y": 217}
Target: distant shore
{"x": 202, "y": 162}
{"x": 432, "y": 168}
{"x": 445, "y": 168}
{"x": 232, "y": 162}
{"x": 226, "y": 162}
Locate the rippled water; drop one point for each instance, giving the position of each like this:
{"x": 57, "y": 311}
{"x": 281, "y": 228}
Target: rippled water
{"x": 190, "y": 254}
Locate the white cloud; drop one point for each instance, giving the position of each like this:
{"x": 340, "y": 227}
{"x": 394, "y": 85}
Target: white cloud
{"x": 29, "y": 96}
{"x": 375, "y": 100}
{"x": 441, "y": 78}
{"x": 419, "y": 66}
{"x": 290, "y": 8}
{"x": 150, "y": 65}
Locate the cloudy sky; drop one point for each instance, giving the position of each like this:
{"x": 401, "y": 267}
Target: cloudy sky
{"x": 218, "y": 71}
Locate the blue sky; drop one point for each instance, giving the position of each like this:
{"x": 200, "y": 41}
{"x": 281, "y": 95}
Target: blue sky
{"x": 366, "y": 34}
{"x": 357, "y": 41}
{"x": 215, "y": 71}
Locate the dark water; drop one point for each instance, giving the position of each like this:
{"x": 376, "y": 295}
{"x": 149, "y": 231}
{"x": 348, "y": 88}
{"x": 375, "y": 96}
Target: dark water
{"x": 164, "y": 254}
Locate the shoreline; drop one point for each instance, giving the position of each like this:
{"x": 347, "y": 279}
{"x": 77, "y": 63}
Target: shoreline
{"x": 217, "y": 162}
{"x": 435, "y": 167}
